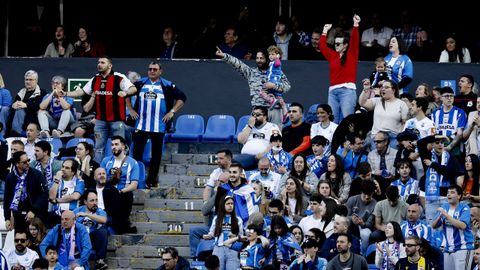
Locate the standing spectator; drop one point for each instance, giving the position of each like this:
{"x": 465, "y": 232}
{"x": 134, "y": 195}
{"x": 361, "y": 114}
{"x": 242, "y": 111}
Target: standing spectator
{"x": 286, "y": 40}
{"x": 422, "y": 50}
{"x": 110, "y": 89}
{"x": 425, "y": 91}
{"x": 471, "y": 133}
{"x": 257, "y": 80}
{"x": 375, "y": 39}
{"x": 312, "y": 52}
{"x": 454, "y": 52}
{"x": 56, "y": 111}
{"x": 26, "y": 194}
{"x": 71, "y": 240}
{"x": 158, "y": 101}
{"x": 5, "y": 103}
{"x": 399, "y": 65}
{"x": 454, "y": 219}
{"x": 466, "y": 99}
{"x": 324, "y": 126}
{"x": 60, "y": 47}
{"x": 414, "y": 225}
{"x": 87, "y": 166}
{"x": 123, "y": 173}
{"x": 45, "y": 163}
{"x": 343, "y": 70}
{"x": 21, "y": 257}
{"x": 85, "y": 46}
{"x": 296, "y": 137}
{"x": 26, "y": 104}
{"x": 420, "y": 124}
{"x": 346, "y": 258}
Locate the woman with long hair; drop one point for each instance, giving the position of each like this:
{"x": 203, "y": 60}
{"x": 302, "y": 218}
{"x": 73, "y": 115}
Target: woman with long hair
{"x": 329, "y": 209}
{"x": 225, "y": 225}
{"x": 36, "y": 233}
{"x": 469, "y": 181}
{"x": 297, "y": 233}
{"x": 283, "y": 246}
{"x": 454, "y": 52}
{"x": 342, "y": 61}
{"x": 324, "y": 188}
{"x": 59, "y": 47}
{"x": 84, "y": 156}
{"x": 338, "y": 178}
{"x": 300, "y": 170}
{"x": 424, "y": 90}
{"x": 252, "y": 249}
{"x": 325, "y": 127}
{"x": 399, "y": 65}
{"x": 293, "y": 200}
{"x": 392, "y": 249}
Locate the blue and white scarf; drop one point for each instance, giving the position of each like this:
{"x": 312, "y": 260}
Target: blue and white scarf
{"x": 283, "y": 159}
{"x": 434, "y": 180}
{"x": 387, "y": 264}
{"x": 20, "y": 193}
{"x": 48, "y": 171}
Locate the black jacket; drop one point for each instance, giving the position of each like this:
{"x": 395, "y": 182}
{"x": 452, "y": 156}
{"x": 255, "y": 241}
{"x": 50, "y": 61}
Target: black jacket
{"x": 182, "y": 264}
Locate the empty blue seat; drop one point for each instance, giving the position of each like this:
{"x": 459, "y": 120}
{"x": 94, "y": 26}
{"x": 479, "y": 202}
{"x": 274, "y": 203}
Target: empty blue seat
{"x": 188, "y": 128}
{"x": 311, "y": 115}
{"x": 74, "y": 141}
{"x": 242, "y": 122}
{"x": 141, "y": 175}
{"x": 220, "y": 129}
{"x": 56, "y": 144}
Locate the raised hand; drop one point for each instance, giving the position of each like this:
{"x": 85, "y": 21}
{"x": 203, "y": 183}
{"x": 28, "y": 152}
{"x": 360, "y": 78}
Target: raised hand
{"x": 219, "y": 53}
{"x": 326, "y": 28}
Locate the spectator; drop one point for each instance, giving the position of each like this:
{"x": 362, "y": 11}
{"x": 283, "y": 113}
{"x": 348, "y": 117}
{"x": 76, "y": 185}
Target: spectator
{"x": 413, "y": 259}
{"x": 375, "y": 39}
{"x": 353, "y": 153}
{"x": 383, "y": 158}
{"x": 26, "y": 104}
{"x": 299, "y": 170}
{"x": 341, "y": 226}
{"x": 87, "y": 166}
{"x": 312, "y": 52}
{"x": 274, "y": 75}
{"x": 420, "y": 124}
{"x": 422, "y": 50}
{"x": 286, "y": 40}
{"x": 345, "y": 258}
{"x": 220, "y": 174}
{"x": 52, "y": 257}
{"x": 425, "y": 91}
{"x": 108, "y": 199}
{"x": 414, "y": 225}
{"x": 399, "y": 65}
{"x": 310, "y": 259}
{"x": 343, "y": 69}
{"x": 296, "y": 137}
{"x": 110, "y": 102}
{"x": 293, "y": 199}
{"x": 72, "y": 242}
{"x": 33, "y": 132}
{"x": 324, "y": 188}
{"x": 408, "y": 30}
{"x": 392, "y": 249}
{"x": 5, "y": 103}
{"x": 325, "y": 127}
{"x": 56, "y": 112}
{"x": 36, "y": 233}
{"x": 282, "y": 243}
{"x": 21, "y": 257}
{"x": 269, "y": 179}
{"x": 280, "y": 159}
{"x": 252, "y": 249}
{"x": 406, "y": 185}
{"x": 3, "y": 261}
{"x": 171, "y": 260}
{"x": 233, "y": 46}
{"x": 170, "y": 48}
{"x": 380, "y": 74}
{"x": 40, "y": 264}
{"x": 466, "y": 99}
{"x": 318, "y": 208}
{"x": 45, "y": 163}
{"x": 337, "y": 176}
{"x": 297, "y": 233}
{"x": 85, "y": 46}
{"x": 26, "y": 194}
{"x": 317, "y": 162}
{"x": 471, "y": 133}
{"x": 212, "y": 263}
{"x": 454, "y": 52}
{"x": 60, "y": 47}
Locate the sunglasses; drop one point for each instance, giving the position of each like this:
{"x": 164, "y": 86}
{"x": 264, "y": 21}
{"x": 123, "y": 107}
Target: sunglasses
{"x": 25, "y": 161}
{"x": 20, "y": 240}
{"x": 338, "y": 44}
{"x": 152, "y": 69}
{"x": 378, "y": 141}
{"x": 257, "y": 114}
{"x": 249, "y": 231}
{"x": 411, "y": 245}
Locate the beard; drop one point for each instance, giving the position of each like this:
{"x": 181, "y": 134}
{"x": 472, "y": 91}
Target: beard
{"x": 342, "y": 251}
{"x": 93, "y": 209}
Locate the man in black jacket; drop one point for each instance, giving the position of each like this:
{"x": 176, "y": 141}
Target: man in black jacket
{"x": 109, "y": 198}
{"x": 171, "y": 260}
{"x": 26, "y": 194}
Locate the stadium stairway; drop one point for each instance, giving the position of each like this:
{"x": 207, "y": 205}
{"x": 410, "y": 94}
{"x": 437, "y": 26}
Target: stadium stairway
{"x": 163, "y": 216}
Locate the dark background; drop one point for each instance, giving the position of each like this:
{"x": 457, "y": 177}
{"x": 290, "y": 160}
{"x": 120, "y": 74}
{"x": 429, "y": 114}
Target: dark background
{"x": 30, "y": 36}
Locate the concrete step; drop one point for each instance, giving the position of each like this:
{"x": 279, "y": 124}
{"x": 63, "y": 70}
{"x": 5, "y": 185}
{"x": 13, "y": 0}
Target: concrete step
{"x": 167, "y": 216}
{"x": 176, "y": 192}
{"x": 191, "y": 159}
{"x": 147, "y": 251}
{"x": 139, "y": 196}
{"x": 173, "y": 204}
{"x": 168, "y": 179}
{"x": 177, "y": 240}
{"x": 160, "y": 228}
{"x": 189, "y": 169}
{"x": 207, "y": 148}
{"x": 133, "y": 263}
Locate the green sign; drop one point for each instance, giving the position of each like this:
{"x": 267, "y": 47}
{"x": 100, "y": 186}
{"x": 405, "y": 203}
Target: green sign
{"x": 73, "y": 83}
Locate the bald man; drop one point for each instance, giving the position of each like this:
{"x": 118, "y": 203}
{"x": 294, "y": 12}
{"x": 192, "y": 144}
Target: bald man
{"x": 81, "y": 247}
{"x": 414, "y": 226}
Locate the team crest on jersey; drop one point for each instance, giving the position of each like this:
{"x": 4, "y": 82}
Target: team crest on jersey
{"x": 150, "y": 95}
{"x": 470, "y": 104}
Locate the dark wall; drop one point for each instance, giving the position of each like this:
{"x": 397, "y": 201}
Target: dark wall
{"x": 212, "y": 86}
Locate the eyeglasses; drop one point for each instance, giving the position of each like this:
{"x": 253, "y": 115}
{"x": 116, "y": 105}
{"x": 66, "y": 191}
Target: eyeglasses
{"x": 411, "y": 245}
{"x": 448, "y": 96}
{"x": 257, "y": 114}
{"x": 249, "y": 231}
{"x": 152, "y": 69}
{"x": 378, "y": 141}
{"x": 20, "y": 240}
{"x": 25, "y": 161}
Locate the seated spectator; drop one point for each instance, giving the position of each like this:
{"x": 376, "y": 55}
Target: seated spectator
{"x": 324, "y": 188}
{"x": 310, "y": 258}
{"x": 454, "y": 51}
{"x": 65, "y": 192}
{"x": 296, "y": 137}
{"x": 425, "y": 91}
{"x": 392, "y": 249}
{"x": 56, "y": 112}
{"x": 125, "y": 180}
{"x": 282, "y": 242}
{"x": 233, "y": 46}
{"x": 33, "y": 133}
{"x": 325, "y": 125}
{"x": 414, "y": 259}
{"x": 36, "y": 233}
{"x": 406, "y": 184}
{"x": 297, "y": 233}
{"x": 44, "y": 162}
{"x": 317, "y": 162}
{"x": 171, "y": 260}
{"x": 329, "y": 249}
{"x": 21, "y": 257}
{"x": 25, "y": 107}
{"x": 375, "y": 39}
{"x": 279, "y": 159}
{"x": 85, "y": 46}
{"x": 422, "y": 50}
{"x": 87, "y": 166}
{"x": 317, "y": 207}
{"x": 293, "y": 200}
{"x": 353, "y": 153}
{"x": 337, "y": 176}
{"x": 7, "y": 165}
{"x": 52, "y": 258}
{"x": 312, "y": 52}
{"x": 381, "y": 160}
{"x": 252, "y": 250}
{"x": 71, "y": 240}
{"x": 40, "y": 264}
{"x": 466, "y": 99}
{"x": 286, "y": 40}
{"x": 262, "y": 197}
{"x": 5, "y": 103}
{"x": 212, "y": 263}
{"x": 59, "y": 47}
{"x": 345, "y": 257}
{"x": 300, "y": 171}
{"x": 94, "y": 219}
{"x": 275, "y": 208}
{"x": 170, "y": 48}
{"x": 26, "y": 194}
{"x": 269, "y": 179}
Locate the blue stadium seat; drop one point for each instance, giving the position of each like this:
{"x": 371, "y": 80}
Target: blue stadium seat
{"x": 188, "y": 128}
{"x": 56, "y": 144}
{"x": 311, "y": 114}
{"x": 372, "y": 267}
{"x": 205, "y": 247}
{"x": 220, "y": 129}
{"x": 141, "y": 177}
{"x": 74, "y": 141}
{"x": 242, "y": 122}
{"x": 372, "y": 248}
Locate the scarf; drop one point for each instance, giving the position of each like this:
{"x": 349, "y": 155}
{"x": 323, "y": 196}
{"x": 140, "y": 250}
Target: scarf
{"x": 283, "y": 159}
{"x": 434, "y": 180}
{"x": 386, "y": 264}
{"x": 48, "y": 171}
{"x": 61, "y": 186}
{"x": 20, "y": 193}
{"x": 65, "y": 258}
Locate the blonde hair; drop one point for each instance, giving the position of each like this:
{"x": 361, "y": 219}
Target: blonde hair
{"x": 275, "y": 50}
{"x": 2, "y": 83}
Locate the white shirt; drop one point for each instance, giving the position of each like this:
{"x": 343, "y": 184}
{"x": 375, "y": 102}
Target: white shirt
{"x": 259, "y": 138}
{"x": 425, "y": 127}
{"x": 26, "y": 260}
{"x": 101, "y": 202}
{"x": 382, "y": 37}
